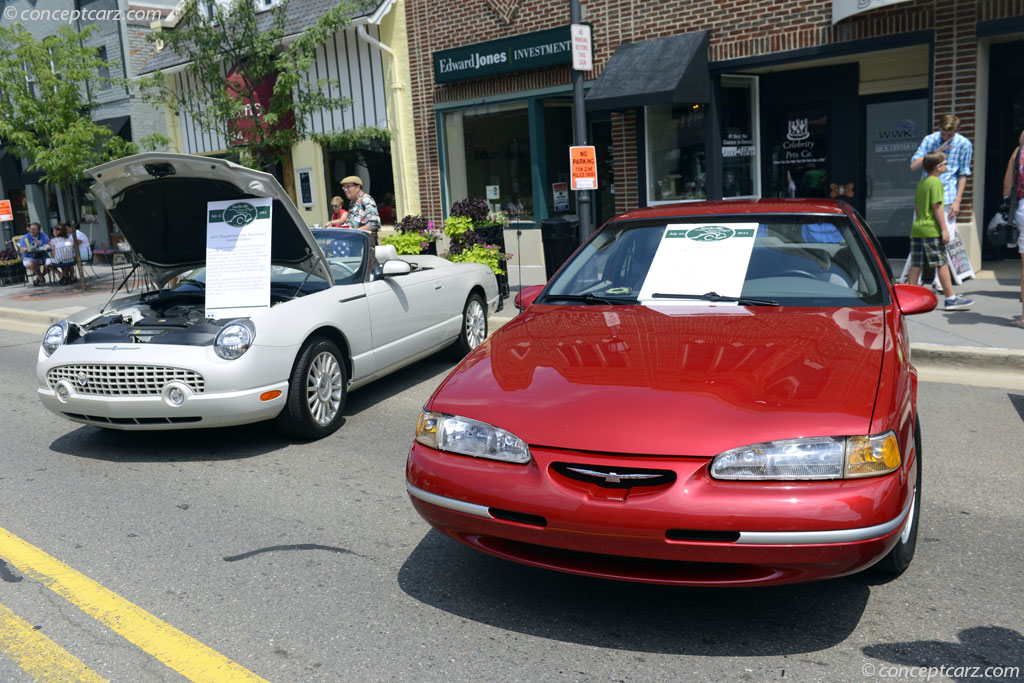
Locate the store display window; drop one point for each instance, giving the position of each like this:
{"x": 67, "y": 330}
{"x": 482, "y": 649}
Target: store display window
{"x": 676, "y": 158}
{"x": 488, "y": 156}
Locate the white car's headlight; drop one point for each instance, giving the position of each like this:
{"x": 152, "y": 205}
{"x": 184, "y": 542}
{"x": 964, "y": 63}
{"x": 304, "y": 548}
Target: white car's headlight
{"x": 234, "y": 340}
{"x": 810, "y": 458}
{"x": 470, "y": 437}
{"x": 55, "y": 336}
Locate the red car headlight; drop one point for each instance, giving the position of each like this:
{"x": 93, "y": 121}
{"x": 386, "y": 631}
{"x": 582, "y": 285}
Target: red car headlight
{"x": 470, "y": 437}
{"x": 824, "y": 457}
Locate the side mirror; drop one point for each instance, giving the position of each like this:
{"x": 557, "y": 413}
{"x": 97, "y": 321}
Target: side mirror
{"x": 526, "y": 296}
{"x": 396, "y": 267}
{"x": 913, "y": 299}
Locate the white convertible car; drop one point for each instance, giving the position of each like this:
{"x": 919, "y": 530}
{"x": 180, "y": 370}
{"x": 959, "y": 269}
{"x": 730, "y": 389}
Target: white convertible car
{"x": 341, "y": 314}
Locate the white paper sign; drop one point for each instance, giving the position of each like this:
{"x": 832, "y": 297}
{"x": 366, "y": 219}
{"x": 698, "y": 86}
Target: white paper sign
{"x": 237, "y": 257}
{"x": 582, "y": 47}
{"x": 697, "y": 259}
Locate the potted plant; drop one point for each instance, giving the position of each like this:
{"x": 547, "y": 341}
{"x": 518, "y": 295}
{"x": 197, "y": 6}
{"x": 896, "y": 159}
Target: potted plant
{"x": 414, "y": 235}
{"x": 477, "y": 235}
{"x": 11, "y": 270}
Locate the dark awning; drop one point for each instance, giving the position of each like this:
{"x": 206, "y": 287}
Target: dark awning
{"x": 10, "y": 172}
{"x": 659, "y": 71}
{"x": 118, "y": 125}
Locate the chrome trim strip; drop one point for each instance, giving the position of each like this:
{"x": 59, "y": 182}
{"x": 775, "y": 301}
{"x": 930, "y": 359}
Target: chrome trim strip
{"x": 818, "y": 537}
{"x": 449, "y": 503}
{"x": 352, "y": 298}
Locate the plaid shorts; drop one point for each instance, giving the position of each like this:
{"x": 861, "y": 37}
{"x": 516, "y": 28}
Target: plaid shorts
{"x": 927, "y": 251}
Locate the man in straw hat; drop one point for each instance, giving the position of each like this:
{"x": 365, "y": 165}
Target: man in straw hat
{"x": 362, "y": 210}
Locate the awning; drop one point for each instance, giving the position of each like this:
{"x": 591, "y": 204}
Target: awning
{"x": 118, "y": 125}
{"x": 10, "y": 173}
{"x": 659, "y": 71}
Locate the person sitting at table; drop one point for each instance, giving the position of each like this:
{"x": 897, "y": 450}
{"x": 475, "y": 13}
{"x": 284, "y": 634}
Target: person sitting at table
{"x": 63, "y": 249}
{"x": 32, "y": 246}
{"x": 339, "y": 216}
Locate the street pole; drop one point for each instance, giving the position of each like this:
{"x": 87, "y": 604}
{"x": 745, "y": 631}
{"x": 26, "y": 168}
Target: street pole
{"x": 580, "y": 124}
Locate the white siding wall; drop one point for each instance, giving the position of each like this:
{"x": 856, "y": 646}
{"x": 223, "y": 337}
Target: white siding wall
{"x": 354, "y": 70}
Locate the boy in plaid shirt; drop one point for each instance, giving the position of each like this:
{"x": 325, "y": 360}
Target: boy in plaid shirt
{"x": 930, "y": 231}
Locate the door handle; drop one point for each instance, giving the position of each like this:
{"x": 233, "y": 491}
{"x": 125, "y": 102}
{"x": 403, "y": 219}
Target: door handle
{"x": 438, "y": 286}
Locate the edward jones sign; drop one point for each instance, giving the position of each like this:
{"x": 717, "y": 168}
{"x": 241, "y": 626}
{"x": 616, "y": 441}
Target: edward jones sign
{"x": 528, "y": 51}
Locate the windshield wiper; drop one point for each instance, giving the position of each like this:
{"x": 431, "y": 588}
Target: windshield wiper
{"x": 589, "y": 298}
{"x": 715, "y": 296}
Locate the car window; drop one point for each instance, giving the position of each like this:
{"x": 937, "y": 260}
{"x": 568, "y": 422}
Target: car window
{"x": 798, "y": 260}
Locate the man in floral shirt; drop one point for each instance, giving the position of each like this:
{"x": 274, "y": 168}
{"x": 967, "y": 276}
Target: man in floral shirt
{"x": 362, "y": 211}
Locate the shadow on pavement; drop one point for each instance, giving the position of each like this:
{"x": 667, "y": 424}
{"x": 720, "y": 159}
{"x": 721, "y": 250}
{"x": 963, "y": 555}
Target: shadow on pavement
{"x": 630, "y": 616}
{"x": 979, "y": 648}
{"x": 434, "y": 366}
{"x": 188, "y": 445}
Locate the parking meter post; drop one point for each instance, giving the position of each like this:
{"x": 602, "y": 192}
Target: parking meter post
{"x": 580, "y": 126}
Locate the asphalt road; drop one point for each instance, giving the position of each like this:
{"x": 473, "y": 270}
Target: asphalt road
{"x": 306, "y": 562}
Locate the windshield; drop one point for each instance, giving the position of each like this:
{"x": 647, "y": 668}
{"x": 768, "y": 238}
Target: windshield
{"x": 814, "y": 261}
{"x": 345, "y": 251}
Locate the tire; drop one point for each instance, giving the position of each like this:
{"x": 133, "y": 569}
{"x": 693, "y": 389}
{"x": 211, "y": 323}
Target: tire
{"x": 474, "y": 326}
{"x": 902, "y": 553}
{"x": 317, "y": 390}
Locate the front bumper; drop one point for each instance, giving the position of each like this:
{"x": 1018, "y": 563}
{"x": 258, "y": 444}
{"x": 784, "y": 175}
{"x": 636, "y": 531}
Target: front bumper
{"x": 695, "y": 531}
{"x": 232, "y": 392}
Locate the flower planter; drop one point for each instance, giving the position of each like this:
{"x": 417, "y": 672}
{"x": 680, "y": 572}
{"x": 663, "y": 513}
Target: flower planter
{"x": 12, "y": 274}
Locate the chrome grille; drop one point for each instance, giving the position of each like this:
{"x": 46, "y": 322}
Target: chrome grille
{"x": 123, "y": 380}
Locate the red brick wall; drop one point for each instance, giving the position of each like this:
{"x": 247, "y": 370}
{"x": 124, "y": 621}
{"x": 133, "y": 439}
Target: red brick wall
{"x": 739, "y": 29}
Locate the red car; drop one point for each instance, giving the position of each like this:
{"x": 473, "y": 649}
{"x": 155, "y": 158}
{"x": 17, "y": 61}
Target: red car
{"x": 712, "y": 394}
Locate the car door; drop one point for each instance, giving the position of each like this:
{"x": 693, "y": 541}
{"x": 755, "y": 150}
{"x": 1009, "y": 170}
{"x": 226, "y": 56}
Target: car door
{"x": 406, "y": 315}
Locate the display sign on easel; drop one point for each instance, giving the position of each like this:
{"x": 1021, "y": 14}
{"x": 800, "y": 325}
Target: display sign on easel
{"x": 238, "y": 257}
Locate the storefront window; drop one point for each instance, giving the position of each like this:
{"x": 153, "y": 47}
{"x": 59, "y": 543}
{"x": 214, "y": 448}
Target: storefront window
{"x": 558, "y": 136}
{"x": 676, "y": 167}
{"x": 488, "y": 153}
{"x": 894, "y": 130}
{"x": 800, "y": 151}
{"x": 739, "y": 137}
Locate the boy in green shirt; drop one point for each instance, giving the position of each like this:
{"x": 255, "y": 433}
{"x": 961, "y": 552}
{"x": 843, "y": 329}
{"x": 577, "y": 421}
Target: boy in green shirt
{"x": 929, "y": 234}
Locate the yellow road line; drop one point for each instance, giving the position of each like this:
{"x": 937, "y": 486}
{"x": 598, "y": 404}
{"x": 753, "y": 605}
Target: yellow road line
{"x": 177, "y": 650}
{"x": 40, "y": 657}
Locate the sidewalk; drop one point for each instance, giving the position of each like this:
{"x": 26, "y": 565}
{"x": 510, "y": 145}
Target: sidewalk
{"x": 978, "y": 339}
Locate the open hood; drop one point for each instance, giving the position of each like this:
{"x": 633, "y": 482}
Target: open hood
{"x": 158, "y": 201}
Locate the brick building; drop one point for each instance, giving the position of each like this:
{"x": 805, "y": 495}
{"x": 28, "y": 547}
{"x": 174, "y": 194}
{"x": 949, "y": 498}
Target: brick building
{"x": 814, "y": 98}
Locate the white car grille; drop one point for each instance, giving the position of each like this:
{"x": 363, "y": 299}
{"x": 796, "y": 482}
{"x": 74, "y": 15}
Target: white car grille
{"x": 123, "y": 380}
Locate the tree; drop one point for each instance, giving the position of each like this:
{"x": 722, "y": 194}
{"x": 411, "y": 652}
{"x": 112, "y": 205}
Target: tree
{"x": 233, "y": 55}
{"x": 45, "y": 110}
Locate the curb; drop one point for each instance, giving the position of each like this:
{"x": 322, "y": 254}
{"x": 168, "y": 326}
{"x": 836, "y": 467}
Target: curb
{"x": 968, "y": 357}
{"x": 27, "y": 316}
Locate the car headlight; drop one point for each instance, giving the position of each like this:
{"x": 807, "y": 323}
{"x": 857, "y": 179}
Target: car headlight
{"x": 823, "y": 457}
{"x": 234, "y": 340}
{"x": 55, "y": 336}
{"x": 470, "y": 437}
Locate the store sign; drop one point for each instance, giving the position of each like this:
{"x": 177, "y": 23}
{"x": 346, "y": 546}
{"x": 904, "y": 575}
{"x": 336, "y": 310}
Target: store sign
{"x": 6, "y": 213}
{"x": 583, "y": 167}
{"x": 847, "y": 8}
{"x": 560, "y": 196}
{"x": 243, "y": 129}
{"x": 528, "y": 51}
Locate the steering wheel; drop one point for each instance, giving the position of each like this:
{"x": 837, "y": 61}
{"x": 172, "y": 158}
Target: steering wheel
{"x": 797, "y": 273}
{"x": 341, "y": 264}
